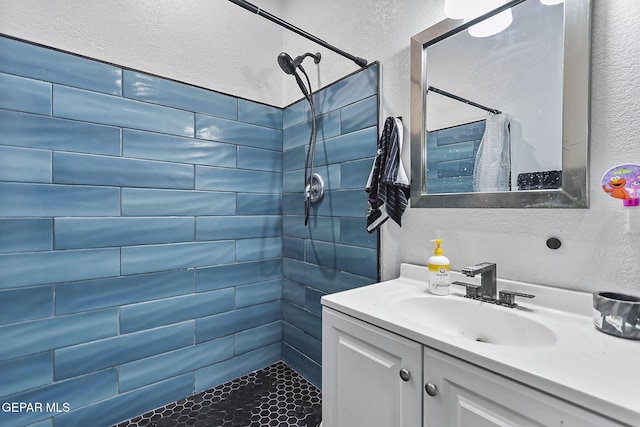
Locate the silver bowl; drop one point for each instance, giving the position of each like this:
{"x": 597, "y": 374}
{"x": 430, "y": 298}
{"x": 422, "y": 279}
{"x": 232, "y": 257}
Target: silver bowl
{"x": 617, "y": 314}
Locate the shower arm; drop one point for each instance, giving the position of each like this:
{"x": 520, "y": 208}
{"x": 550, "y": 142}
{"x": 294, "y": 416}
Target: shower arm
{"x": 255, "y": 9}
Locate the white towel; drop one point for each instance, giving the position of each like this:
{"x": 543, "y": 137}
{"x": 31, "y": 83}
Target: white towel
{"x": 492, "y": 168}
{"x": 400, "y": 177}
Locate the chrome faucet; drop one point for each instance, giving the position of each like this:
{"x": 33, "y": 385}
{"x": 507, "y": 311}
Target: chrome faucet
{"x": 486, "y": 291}
{"x": 487, "y": 288}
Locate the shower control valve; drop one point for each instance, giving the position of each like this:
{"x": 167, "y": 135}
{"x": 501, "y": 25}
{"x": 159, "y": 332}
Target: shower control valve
{"x": 315, "y": 188}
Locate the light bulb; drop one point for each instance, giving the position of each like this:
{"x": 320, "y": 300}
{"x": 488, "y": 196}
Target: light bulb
{"x": 492, "y": 25}
{"x": 455, "y": 9}
{"x": 471, "y": 9}
{"x": 475, "y": 8}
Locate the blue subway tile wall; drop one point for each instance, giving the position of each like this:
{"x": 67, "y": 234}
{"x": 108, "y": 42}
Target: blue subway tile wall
{"x": 51, "y": 133}
{"x": 26, "y": 373}
{"x": 227, "y": 370}
{"x": 335, "y": 252}
{"x": 100, "y": 354}
{"x": 239, "y": 320}
{"x": 36, "y": 268}
{"x": 259, "y": 114}
{"x": 227, "y": 179}
{"x": 157, "y": 202}
{"x": 121, "y": 231}
{"x": 83, "y": 105}
{"x": 234, "y": 132}
{"x": 156, "y": 146}
{"x": 83, "y": 390}
{"x": 148, "y": 315}
{"x": 71, "y": 168}
{"x": 17, "y": 305}
{"x": 151, "y": 234}
{"x": 125, "y": 405}
{"x": 179, "y": 95}
{"x": 40, "y": 63}
{"x": 41, "y": 200}
{"x": 27, "y": 338}
{"x": 27, "y": 95}
{"x": 87, "y": 295}
{"x": 25, "y": 165}
{"x": 26, "y": 235}
{"x": 166, "y": 365}
{"x": 140, "y": 238}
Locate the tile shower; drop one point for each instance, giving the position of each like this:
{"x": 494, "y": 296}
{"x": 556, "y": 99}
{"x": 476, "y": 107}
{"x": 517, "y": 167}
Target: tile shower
{"x": 151, "y": 236}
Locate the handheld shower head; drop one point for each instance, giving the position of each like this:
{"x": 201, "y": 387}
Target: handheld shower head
{"x": 286, "y": 63}
{"x": 312, "y": 184}
{"x": 289, "y": 65}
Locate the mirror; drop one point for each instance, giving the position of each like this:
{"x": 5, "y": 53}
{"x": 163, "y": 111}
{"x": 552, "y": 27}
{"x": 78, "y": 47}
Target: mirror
{"x": 503, "y": 120}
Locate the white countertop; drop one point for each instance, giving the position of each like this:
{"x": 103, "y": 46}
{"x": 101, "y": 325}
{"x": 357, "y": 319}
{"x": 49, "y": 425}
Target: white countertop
{"x": 585, "y": 366}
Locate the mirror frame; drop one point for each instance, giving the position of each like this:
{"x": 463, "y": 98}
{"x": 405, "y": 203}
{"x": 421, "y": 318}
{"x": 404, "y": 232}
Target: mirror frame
{"x": 575, "y": 119}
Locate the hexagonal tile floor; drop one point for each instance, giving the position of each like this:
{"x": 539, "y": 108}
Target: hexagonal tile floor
{"x": 274, "y": 396}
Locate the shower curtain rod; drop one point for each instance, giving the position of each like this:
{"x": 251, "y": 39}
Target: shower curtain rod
{"x": 466, "y": 101}
{"x": 255, "y": 9}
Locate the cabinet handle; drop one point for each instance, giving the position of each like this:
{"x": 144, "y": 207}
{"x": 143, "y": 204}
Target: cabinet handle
{"x": 405, "y": 374}
{"x": 431, "y": 389}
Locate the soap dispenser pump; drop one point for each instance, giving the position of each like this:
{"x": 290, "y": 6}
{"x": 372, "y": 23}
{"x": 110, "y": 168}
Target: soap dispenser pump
{"x": 439, "y": 279}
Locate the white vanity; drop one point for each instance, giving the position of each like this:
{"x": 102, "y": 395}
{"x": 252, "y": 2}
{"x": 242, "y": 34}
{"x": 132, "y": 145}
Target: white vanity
{"x": 396, "y": 356}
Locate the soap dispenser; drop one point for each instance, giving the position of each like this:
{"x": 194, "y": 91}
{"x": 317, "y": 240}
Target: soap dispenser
{"x": 439, "y": 279}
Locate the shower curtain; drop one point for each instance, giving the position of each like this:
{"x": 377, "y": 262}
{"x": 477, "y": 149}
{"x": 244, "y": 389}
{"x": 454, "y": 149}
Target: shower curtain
{"x": 492, "y": 167}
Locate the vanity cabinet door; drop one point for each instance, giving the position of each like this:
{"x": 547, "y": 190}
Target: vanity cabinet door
{"x": 465, "y": 395}
{"x": 370, "y": 377}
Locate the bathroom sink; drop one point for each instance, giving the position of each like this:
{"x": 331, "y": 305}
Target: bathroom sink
{"x": 548, "y": 343}
{"x": 474, "y": 320}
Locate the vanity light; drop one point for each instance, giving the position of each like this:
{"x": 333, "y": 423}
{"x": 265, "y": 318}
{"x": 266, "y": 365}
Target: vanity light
{"x": 551, "y": 2}
{"x": 493, "y": 25}
{"x": 455, "y": 9}
{"x": 471, "y": 9}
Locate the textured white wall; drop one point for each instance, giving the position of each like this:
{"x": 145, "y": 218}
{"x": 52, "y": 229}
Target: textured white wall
{"x": 218, "y": 45}
{"x": 597, "y": 251}
{"x": 210, "y": 43}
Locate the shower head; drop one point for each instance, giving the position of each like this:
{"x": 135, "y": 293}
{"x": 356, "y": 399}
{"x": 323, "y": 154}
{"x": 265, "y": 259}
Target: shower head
{"x": 289, "y": 65}
{"x": 286, "y": 63}
{"x": 312, "y": 181}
